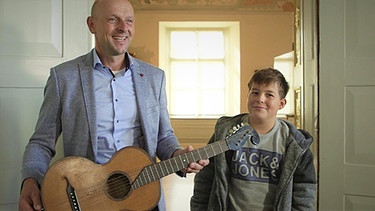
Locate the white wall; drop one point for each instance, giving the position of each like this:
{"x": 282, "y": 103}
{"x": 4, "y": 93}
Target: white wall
{"x": 34, "y": 36}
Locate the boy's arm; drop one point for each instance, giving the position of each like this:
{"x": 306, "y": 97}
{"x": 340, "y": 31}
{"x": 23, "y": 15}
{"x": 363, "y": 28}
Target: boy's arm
{"x": 203, "y": 185}
{"x": 304, "y": 185}
{"x": 202, "y": 188}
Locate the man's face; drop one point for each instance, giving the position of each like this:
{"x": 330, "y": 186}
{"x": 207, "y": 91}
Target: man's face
{"x": 112, "y": 23}
{"x": 263, "y": 102}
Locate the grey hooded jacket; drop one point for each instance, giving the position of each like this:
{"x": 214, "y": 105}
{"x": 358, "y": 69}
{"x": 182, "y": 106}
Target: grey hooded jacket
{"x": 297, "y": 183}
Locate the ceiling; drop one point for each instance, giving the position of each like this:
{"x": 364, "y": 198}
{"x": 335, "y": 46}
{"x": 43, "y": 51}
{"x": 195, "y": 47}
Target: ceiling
{"x": 215, "y": 5}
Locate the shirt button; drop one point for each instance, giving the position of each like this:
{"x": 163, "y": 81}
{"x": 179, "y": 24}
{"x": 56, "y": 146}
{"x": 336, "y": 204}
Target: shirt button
{"x": 116, "y": 100}
{"x": 118, "y": 121}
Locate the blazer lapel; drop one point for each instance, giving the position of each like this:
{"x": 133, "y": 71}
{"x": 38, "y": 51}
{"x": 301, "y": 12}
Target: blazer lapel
{"x": 87, "y": 82}
{"x": 139, "y": 83}
{"x": 140, "y": 87}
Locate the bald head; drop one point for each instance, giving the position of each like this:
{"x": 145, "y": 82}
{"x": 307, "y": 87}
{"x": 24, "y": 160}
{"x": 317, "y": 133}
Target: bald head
{"x": 100, "y": 4}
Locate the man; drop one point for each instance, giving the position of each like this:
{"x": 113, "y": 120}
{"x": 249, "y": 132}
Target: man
{"x": 101, "y": 102}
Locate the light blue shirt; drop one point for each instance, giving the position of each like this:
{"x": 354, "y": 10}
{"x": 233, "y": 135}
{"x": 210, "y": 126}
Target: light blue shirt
{"x": 118, "y": 123}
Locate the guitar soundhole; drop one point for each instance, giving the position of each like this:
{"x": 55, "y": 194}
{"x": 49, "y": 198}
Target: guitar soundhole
{"x": 118, "y": 186}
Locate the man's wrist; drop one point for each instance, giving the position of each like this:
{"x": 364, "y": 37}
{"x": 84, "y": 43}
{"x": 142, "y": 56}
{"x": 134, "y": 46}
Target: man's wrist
{"x": 30, "y": 181}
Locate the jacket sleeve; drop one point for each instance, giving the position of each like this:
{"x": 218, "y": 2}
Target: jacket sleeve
{"x": 167, "y": 140}
{"x": 203, "y": 182}
{"x": 304, "y": 185}
{"x": 41, "y": 147}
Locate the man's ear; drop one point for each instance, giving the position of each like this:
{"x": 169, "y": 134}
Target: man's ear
{"x": 90, "y": 24}
{"x": 282, "y": 103}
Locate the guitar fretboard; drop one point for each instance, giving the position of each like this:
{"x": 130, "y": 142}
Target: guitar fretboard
{"x": 161, "y": 169}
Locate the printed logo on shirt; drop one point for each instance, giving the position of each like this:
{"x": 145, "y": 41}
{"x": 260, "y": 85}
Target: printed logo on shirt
{"x": 256, "y": 165}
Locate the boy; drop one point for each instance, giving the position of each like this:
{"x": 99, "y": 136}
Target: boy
{"x": 274, "y": 170}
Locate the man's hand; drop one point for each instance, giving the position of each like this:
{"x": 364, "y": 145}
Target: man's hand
{"x": 30, "y": 198}
{"x": 194, "y": 167}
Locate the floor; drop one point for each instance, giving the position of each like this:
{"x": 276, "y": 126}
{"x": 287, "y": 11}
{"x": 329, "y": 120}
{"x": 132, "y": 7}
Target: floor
{"x": 178, "y": 191}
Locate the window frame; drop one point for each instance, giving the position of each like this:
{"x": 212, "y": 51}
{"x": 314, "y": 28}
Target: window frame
{"x": 232, "y": 60}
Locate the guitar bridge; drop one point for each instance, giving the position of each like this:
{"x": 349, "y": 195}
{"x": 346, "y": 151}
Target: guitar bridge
{"x": 72, "y": 197}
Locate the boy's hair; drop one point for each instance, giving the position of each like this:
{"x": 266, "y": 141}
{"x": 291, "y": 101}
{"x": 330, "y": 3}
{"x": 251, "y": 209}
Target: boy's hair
{"x": 267, "y": 76}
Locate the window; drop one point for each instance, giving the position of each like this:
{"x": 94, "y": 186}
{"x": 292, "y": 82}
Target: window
{"x": 285, "y": 64}
{"x": 201, "y": 61}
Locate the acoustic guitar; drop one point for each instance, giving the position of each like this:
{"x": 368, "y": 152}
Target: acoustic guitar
{"x": 129, "y": 181}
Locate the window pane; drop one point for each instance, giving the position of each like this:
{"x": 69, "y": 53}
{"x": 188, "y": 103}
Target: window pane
{"x": 211, "y": 45}
{"x": 213, "y": 102}
{"x": 198, "y": 88}
{"x": 214, "y": 71}
{"x": 184, "y": 74}
{"x": 185, "y": 103}
{"x": 183, "y": 45}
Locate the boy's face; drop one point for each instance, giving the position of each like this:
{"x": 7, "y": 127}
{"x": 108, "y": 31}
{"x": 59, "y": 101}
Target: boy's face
{"x": 263, "y": 102}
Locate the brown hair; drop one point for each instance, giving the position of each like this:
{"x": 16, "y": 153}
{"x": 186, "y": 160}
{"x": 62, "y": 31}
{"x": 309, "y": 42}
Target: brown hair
{"x": 267, "y": 76}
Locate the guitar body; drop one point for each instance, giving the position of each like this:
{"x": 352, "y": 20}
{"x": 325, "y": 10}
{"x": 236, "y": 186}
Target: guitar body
{"x": 76, "y": 183}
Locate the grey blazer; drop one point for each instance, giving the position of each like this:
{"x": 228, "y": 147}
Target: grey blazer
{"x": 68, "y": 109}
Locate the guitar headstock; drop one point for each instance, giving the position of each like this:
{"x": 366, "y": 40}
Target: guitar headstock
{"x": 238, "y": 136}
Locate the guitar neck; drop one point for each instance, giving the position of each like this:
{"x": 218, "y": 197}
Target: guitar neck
{"x": 161, "y": 169}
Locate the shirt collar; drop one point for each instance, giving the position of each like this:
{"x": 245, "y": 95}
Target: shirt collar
{"x": 97, "y": 60}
